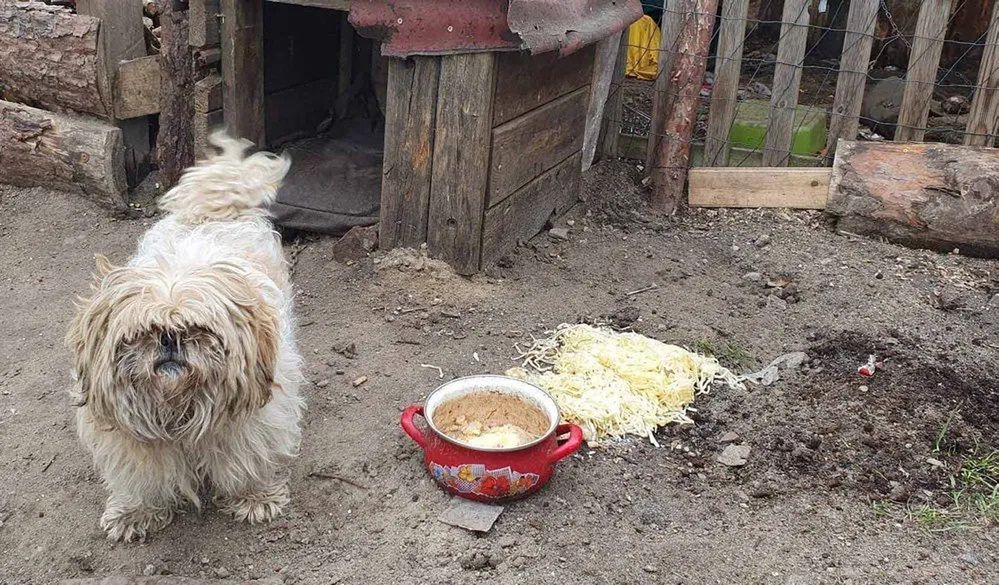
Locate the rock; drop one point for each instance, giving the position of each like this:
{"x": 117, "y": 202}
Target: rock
{"x": 323, "y": 383}
{"x": 728, "y": 437}
{"x": 994, "y": 301}
{"x": 734, "y": 455}
{"x": 948, "y": 299}
{"x": 558, "y": 234}
{"x": 625, "y": 316}
{"x": 956, "y": 104}
{"x": 899, "y": 493}
{"x": 776, "y": 302}
{"x": 507, "y": 541}
{"x": 752, "y": 276}
{"x": 762, "y": 241}
{"x": 969, "y": 558}
{"x": 794, "y": 359}
{"x": 882, "y": 103}
{"x": 358, "y": 381}
{"x": 473, "y": 561}
{"x": 150, "y": 570}
{"x": 221, "y": 572}
{"x": 355, "y": 244}
{"x": 474, "y": 516}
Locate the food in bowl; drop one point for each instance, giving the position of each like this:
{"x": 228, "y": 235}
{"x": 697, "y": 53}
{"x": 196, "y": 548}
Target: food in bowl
{"x": 491, "y": 420}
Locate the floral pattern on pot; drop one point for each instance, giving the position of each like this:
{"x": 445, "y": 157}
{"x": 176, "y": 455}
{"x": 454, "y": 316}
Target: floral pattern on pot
{"x": 476, "y": 479}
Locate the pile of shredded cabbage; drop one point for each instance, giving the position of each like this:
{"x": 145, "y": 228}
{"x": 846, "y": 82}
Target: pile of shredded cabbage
{"x": 615, "y": 384}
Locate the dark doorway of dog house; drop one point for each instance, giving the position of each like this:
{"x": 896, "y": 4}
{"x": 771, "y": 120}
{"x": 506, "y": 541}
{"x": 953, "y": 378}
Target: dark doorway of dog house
{"x": 324, "y": 105}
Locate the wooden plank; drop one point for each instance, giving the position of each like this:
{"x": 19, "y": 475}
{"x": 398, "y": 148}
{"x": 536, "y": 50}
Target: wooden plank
{"x": 332, "y": 4}
{"x": 204, "y": 19}
{"x": 759, "y": 187}
{"x": 298, "y": 110}
{"x": 845, "y": 116}
{"x": 525, "y": 82}
{"x": 137, "y": 89}
{"x": 924, "y": 59}
{"x": 603, "y": 74}
{"x": 787, "y": 80}
{"x": 525, "y": 213}
{"x": 410, "y": 115}
{"x": 728, "y": 67}
{"x": 243, "y": 68}
{"x": 203, "y": 126}
{"x": 76, "y": 154}
{"x": 673, "y": 22}
{"x": 610, "y": 130}
{"x": 461, "y": 159}
{"x": 527, "y": 146}
{"x": 936, "y": 196}
{"x": 207, "y": 112}
{"x": 983, "y": 119}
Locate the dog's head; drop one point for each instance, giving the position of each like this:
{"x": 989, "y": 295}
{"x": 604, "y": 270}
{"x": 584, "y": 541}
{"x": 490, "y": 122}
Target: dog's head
{"x": 164, "y": 354}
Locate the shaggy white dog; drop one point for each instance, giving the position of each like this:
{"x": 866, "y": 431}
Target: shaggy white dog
{"x": 186, "y": 367}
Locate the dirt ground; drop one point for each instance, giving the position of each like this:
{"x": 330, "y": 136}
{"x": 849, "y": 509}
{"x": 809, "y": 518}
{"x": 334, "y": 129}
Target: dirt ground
{"x": 847, "y": 481}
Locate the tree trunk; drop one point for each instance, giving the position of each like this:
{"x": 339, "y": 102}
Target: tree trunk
{"x": 175, "y": 141}
{"x": 64, "y": 152}
{"x": 934, "y": 196}
{"x": 679, "y": 105}
{"x": 49, "y": 58}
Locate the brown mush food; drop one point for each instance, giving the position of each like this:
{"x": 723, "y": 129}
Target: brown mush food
{"x": 491, "y": 420}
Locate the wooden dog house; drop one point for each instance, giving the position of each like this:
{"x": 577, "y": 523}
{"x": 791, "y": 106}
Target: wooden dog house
{"x": 485, "y": 104}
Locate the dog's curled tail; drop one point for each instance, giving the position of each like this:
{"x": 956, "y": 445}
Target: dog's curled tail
{"x": 228, "y": 185}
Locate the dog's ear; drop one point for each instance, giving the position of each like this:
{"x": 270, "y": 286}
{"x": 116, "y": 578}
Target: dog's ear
{"x": 104, "y": 266}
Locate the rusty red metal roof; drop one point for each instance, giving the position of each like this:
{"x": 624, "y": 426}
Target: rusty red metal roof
{"x": 436, "y": 27}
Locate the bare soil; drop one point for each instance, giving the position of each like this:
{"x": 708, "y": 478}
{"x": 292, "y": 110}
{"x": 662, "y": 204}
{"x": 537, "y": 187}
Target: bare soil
{"x": 828, "y": 448}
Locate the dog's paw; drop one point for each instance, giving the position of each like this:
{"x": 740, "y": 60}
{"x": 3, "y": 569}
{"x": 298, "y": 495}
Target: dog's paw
{"x": 127, "y": 525}
{"x": 257, "y": 507}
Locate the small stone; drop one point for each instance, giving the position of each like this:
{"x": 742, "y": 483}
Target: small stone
{"x": 752, "y": 276}
{"x": 969, "y": 558}
{"x": 358, "y": 381}
{"x": 762, "y": 241}
{"x": 558, "y": 234}
{"x": 355, "y": 244}
{"x": 507, "y": 542}
{"x": 205, "y": 561}
{"x": 323, "y": 383}
{"x": 222, "y": 572}
{"x": 650, "y": 569}
{"x": 728, "y": 437}
{"x": 150, "y": 570}
{"x": 734, "y": 455}
{"x": 994, "y": 301}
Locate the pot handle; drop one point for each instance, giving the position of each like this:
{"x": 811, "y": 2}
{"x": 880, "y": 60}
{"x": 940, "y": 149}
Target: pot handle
{"x": 571, "y": 445}
{"x": 407, "y": 424}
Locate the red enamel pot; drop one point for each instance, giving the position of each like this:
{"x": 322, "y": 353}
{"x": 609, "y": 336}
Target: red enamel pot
{"x": 491, "y": 475}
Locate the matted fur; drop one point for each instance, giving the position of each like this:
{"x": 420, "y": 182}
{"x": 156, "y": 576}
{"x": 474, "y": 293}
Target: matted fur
{"x": 185, "y": 362}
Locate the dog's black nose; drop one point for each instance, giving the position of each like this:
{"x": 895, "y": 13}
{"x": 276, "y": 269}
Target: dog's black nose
{"x": 168, "y": 342}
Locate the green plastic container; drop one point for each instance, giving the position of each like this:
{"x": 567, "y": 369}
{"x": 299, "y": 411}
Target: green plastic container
{"x": 750, "y": 127}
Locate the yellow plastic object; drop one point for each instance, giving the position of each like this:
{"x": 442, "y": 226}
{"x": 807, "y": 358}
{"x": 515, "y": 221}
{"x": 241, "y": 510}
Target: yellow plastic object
{"x": 643, "y": 48}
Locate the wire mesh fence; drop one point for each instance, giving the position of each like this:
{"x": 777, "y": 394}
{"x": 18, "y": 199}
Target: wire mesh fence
{"x": 785, "y": 79}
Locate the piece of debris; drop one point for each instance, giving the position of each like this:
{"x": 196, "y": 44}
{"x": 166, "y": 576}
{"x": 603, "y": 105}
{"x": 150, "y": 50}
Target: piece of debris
{"x": 752, "y": 276}
{"x": 956, "y": 104}
{"x": 948, "y": 299}
{"x": 356, "y": 244}
{"x": 348, "y": 350}
{"x": 358, "y": 381}
{"x": 652, "y": 286}
{"x": 323, "y": 383}
{"x": 474, "y": 516}
{"x": 440, "y": 371}
{"x": 935, "y": 462}
{"x": 558, "y": 234}
{"x": 49, "y": 463}
{"x": 734, "y": 455}
{"x": 347, "y": 480}
{"x": 867, "y": 370}
{"x": 728, "y": 437}
{"x": 771, "y": 373}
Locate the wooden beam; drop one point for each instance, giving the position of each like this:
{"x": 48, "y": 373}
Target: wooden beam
{"x": 679, "y": 111}
{"x": 410, "y": 115}
{"x": 525, "y": 81}
{"x": 334, "y": 4}
{"x": 242, "y": 35}
{"x": 983, "y": 120}
{"x": 137, "y": 89}
{"x": 728, "y": 68}
{"x": 204, "y": 22}
{"x": 759, "y": 187}
{"x": 924, "y": 59}
{"x": 207, "y": 112}
{"x": 845, "y": 116}
{"x": 603, "y": 74}
{"x": 787, "y": 81}
{"x": 461, "y": 159}
{"x": 611, "y": 127}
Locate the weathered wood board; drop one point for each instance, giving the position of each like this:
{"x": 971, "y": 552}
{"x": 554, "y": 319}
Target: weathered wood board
{"x": 525, "y": 82}
{"x": 137, "y": 88}
{"x": 61, "y": 151}
{"x": 935, "y": 196}
{"x": 759, "y": 187}
{"x": 243, "y": 68}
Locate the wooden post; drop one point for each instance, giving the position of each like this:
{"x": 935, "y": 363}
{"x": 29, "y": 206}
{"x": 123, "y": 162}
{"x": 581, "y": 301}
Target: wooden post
{"x": 674, "y": 23}
{"x": 679, "y": 109}
{"x": 924, "y": 59}
{"x": 242, "y": 36}
{"x": 610, "y": 129}
{"x": 728, "y": 67}
{"x": 122, "y": 38}
{"x": 787, "y": 80}
{"x": 603, "y": 74}
{"x": 461, "y": 159}
{"x": 410, "y": 114}
{"x": 983, "y": 120}
{"x": 845, "y": 117}
{"x": 175, "y": 141}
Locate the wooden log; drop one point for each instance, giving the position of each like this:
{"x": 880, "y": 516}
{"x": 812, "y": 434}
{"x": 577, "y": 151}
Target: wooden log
{"x": 603, "y": 75}
{"x": 787, "y": 81}
{"x": 728, "y": 67}
{"x": 137, "y": 88}
{"x": 242, "y": 36}
{"x": 410, "y": 115}
{"x": 924, "y": 59}
{"x": 525, "y": 213}
{"x": 983, "y": 119}
{"x": 49, "y": 58}
{"x": 676, "y": 20}
{"x": 844, "y": 120}
{"x": 934, "y": 196}
{"x": 62, "y": 151}
{"x": 679, "y": 112}
{"x": 759, "y": 187}
{"x": 461, "y": 159}
{"x": 610, "y": 129}
{"x": 525, "y": 81}
{"x": 175, "y": 141}
{"x": 527, "y": 146}
{"x": 204, "y": 22}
